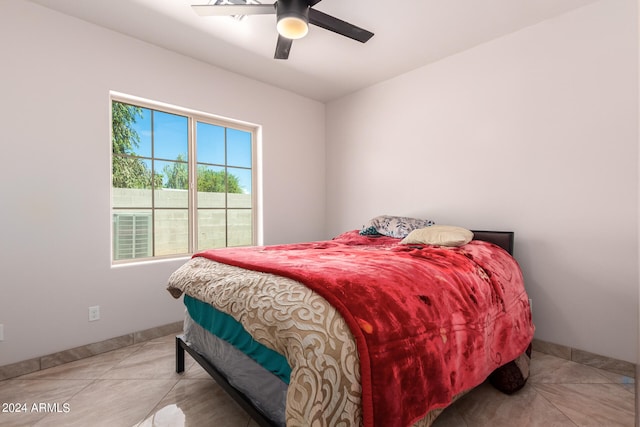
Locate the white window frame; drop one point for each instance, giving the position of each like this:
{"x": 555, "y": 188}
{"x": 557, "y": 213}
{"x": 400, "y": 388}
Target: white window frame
{"x": 193, "y": 117}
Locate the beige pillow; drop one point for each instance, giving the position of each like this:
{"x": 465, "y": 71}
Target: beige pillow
{"x": 442, "y": 235}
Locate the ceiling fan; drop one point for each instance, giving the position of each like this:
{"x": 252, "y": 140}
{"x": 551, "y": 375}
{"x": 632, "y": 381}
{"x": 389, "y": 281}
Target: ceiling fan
{"x": 293, "y": 19}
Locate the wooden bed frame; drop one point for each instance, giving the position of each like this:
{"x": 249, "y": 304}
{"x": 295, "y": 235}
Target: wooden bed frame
{"x": 504, "y": 239}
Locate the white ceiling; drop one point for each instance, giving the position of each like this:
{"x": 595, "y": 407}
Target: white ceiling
{"x": 323, "y": 65}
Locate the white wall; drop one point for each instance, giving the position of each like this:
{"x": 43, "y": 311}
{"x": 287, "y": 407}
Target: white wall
{"x": 553, "y": 107}
{"x": 535, "y": 132}
{"x": 55, "y": 76}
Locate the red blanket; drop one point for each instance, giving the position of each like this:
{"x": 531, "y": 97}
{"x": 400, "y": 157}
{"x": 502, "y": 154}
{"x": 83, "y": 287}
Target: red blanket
{"x": 429, "y": 322}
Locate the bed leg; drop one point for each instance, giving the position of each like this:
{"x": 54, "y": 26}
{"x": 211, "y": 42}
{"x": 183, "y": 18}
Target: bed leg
{"x": 179, "y": 356}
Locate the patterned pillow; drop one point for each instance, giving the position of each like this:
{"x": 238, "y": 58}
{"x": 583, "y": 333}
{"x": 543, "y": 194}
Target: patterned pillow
{"x": 393, "y": 226}
{"x": 514, "y": 375}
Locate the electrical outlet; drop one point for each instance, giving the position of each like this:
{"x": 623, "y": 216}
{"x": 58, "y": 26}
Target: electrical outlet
{"x": 94, "y": 313}
{"x": 1, "y": 332}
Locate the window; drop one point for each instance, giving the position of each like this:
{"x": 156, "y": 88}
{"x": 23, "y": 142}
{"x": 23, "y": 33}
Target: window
{"x": 181, "y": 181}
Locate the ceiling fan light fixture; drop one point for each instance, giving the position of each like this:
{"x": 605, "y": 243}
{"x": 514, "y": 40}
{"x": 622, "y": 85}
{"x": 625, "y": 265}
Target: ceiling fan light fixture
{"x": 292, "y": 27}
{"x": 293, "y": 18}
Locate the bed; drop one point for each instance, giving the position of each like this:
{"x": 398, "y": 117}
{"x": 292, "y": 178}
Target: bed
{"x": 364, "y": 329}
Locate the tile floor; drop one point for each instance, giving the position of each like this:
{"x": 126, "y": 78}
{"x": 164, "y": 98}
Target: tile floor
{"x": 137, "y": 386}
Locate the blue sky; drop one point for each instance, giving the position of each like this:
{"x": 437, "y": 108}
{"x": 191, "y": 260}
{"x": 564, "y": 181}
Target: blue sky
{"x": 170, "y": 139}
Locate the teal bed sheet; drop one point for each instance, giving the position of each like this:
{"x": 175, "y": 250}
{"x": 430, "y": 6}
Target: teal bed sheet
{"x": 227, "y": 328}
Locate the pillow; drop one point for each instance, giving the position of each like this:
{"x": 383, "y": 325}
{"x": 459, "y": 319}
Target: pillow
{"x": 513, "y": 376}
{"x": 393, "y": 226}
{"x": 441, "y": 235}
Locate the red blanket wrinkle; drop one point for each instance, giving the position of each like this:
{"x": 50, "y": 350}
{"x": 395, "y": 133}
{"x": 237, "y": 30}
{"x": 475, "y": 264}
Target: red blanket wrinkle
{"x": 429, "y": 322}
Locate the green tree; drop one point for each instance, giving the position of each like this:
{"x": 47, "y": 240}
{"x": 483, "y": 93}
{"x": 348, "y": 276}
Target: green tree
{"x": 214, "y": 181}
{"x": 177, "y": 174}
{"x": 127, "y": 171}
{"x": 125, "y": 138}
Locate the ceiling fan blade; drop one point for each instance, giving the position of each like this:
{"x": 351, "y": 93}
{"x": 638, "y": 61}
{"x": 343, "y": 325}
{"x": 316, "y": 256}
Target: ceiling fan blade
{"x": 313, "y": 2}
{"x": 282, "y": 48}
{"x": 339, "y": 26}
{"x": 234, "y": 9}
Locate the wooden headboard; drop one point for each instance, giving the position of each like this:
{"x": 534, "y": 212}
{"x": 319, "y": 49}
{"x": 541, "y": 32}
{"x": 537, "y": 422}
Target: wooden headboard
{"x": 504, "y": 239}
